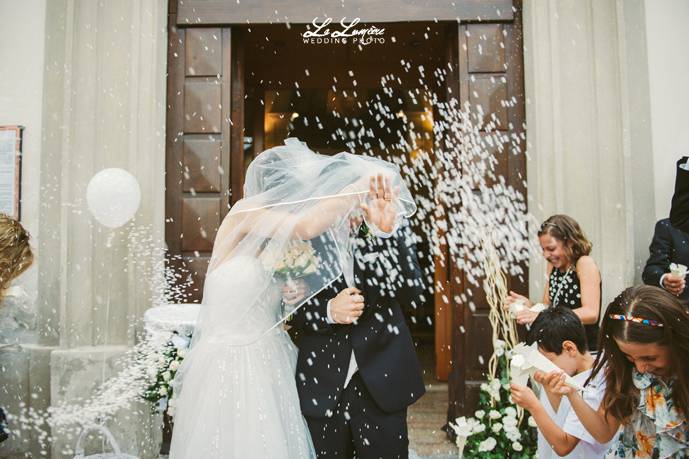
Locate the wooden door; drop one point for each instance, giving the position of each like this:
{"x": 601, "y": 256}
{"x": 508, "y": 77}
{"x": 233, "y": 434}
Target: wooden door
{"x": 204, "y": 144}
{"x": 490, "y": 74}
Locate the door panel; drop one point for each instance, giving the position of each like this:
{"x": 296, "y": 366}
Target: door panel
{"x": 490, "y": 76}
{"x": 200, "y": 138}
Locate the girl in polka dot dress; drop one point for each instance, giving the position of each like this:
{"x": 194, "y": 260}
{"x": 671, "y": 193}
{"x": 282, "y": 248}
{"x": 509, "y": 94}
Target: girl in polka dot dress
{"x": 574, "y": 281}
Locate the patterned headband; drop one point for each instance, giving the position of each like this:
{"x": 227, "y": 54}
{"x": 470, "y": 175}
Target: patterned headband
{"x": 639, "y": 320}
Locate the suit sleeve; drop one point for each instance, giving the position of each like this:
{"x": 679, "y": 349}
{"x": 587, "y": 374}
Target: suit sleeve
{"x": 679, "y": 211}
{"x": 661, "y": 253}
{"x": 312, "y": 316}
{"x": 412, "y": 280}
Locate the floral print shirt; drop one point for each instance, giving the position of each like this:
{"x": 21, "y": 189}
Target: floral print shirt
{"x": 656, "y": 430}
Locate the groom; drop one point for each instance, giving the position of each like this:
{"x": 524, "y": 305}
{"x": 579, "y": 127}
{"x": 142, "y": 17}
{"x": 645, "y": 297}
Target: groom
{"x": 357, "y": 370}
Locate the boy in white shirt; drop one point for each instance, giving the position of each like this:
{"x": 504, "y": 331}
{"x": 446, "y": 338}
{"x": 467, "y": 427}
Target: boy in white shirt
{"x": 562, "y": 339}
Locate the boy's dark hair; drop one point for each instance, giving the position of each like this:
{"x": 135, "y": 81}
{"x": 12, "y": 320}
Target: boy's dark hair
{"x": 554, "y": 326}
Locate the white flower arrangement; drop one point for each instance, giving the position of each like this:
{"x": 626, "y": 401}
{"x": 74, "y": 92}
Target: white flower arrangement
{"x": 297, "y": 261}
{"x": 487, "y": 445}
{"x": 495, "y": 430}
{"x": 160, "y": 390}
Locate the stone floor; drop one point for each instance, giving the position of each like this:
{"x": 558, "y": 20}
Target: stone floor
{"x": 427, "y": 416}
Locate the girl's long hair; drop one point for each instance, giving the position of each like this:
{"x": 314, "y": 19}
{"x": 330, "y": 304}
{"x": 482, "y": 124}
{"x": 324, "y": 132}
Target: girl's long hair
{"x": 647, "y": 302}
{"x": 566, "y": 229}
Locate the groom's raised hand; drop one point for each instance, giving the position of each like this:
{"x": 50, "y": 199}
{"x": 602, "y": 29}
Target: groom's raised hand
{"x": 347, "y": 306}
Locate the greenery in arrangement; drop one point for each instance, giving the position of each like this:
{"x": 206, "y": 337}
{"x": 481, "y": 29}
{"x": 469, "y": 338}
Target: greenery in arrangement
{"x": 497, "y": 429}
{"x": 297, "y": 261}
{"x": 159, "y": 391}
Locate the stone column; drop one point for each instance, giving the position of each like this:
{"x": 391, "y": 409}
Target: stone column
{"x": 586, "y": 82}
{"x": 103, "y": 106}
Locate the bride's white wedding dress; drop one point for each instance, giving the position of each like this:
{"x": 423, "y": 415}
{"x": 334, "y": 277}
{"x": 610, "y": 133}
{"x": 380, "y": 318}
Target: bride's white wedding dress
{"x": 238, "y": 400}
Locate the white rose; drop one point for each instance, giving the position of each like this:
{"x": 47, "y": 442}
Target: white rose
{"x": 167, "y": 376}
{"x": 509, "y": 421}
{"x": 484, "y": 387}
{"x": 487, "y": 445}
{"x": 513, "y": 435}
{"x": 478, "y": 428}
{"x": 174, "y": 365}
{"x": 163, "y": 391}
{"x": 511, "y": 412}
{"x": 497, "y": 427}
{"x": 494, "y": 414}
{"x": 495, "y": 384}
{"x": 517, "y": 446}
{"x": 479, "y": 414}
{"x": 532, "y": 422}
{"x": 182, "y": 353}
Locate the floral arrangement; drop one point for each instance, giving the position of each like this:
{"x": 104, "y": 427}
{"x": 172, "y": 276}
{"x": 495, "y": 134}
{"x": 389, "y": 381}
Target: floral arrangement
{"x": 159, "y": 391}
{"x": 297, "y": 261}
{"x": 496, "y": 430}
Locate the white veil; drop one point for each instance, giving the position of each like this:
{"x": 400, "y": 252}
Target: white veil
{"x": 293, "y": 222}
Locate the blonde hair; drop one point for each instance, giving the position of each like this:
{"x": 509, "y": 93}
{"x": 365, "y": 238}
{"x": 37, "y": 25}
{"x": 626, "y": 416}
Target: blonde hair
{"x": 15, "y": 252}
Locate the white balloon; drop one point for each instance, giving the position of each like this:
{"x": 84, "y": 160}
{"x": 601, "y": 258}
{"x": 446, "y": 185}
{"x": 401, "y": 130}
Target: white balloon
{"x": 113, "y": 196}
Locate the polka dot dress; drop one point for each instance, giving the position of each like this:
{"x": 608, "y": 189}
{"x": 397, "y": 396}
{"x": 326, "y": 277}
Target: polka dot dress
{"x": 564, "y": 290}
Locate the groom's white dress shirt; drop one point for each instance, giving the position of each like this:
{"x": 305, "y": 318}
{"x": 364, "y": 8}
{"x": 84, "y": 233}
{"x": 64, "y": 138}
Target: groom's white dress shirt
{"x": 369, "y": 257}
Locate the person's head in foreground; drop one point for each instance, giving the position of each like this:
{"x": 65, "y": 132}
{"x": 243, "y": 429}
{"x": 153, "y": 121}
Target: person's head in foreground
{"x": 645, "y": 329}
{"x": 15, "y": 252}
{"x": 561, "y": 339}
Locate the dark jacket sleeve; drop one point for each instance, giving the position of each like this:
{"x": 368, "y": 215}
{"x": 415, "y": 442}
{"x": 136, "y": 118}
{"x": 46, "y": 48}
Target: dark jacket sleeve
{"x": 312, "y": 316}
{"x": 661, "y": 254}
{"x": 679, "y": 211}
{"x": 412, "y": 287}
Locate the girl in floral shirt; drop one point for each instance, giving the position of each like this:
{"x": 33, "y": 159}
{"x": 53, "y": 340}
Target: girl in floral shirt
{"x": 645, "y": 360}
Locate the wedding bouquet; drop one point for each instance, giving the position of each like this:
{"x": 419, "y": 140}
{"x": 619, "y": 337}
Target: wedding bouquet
{"x": 496, "y": 430}
{"x": 299, "y": 260}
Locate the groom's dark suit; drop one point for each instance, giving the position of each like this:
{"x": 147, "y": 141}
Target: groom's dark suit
{"x": 679, "y": 211}
{"x": 369, "y": 415}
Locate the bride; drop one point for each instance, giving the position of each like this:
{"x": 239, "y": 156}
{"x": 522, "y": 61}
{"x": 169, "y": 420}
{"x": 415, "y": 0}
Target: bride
{"x": 236, "y": 393}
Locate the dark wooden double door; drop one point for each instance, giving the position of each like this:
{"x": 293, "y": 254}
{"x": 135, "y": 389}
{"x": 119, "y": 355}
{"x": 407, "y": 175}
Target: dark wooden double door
{"x": 234, "y": 90}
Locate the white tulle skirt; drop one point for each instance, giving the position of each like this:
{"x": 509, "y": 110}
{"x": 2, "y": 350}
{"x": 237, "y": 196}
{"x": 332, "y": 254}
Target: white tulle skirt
{"x": 240, "y": 402}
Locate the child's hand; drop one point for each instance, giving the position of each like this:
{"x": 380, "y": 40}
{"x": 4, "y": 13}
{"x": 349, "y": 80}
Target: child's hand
{"x": 554, "y": 382}
{"x": 526, "y": 317}
{"x": 513, "y": 296}
{"x": 524, "y": 397}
